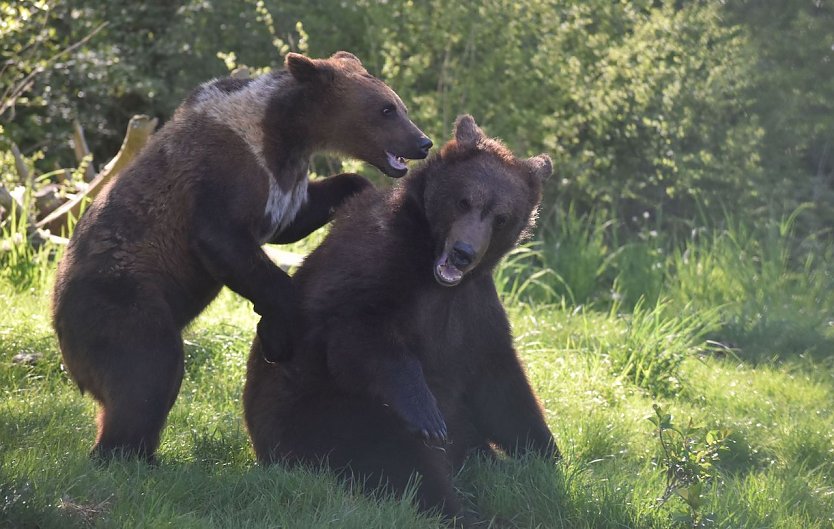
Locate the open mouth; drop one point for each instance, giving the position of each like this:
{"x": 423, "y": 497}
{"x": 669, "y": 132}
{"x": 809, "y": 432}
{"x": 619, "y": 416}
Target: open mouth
{"x": 446, "y": 273}
{"x": 397, "y": 162}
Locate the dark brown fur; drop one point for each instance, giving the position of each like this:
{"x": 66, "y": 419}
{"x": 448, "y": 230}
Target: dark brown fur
{"x": 395, "y": 363}
{"x": 190, "y": 215}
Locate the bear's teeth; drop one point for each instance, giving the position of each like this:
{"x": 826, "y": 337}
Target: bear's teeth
{"x": 397, "y": 162}
{"x": 449, "y": 274}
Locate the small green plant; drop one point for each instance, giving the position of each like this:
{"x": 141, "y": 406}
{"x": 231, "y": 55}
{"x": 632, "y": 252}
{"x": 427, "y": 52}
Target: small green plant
{"x": 688, "y": 462}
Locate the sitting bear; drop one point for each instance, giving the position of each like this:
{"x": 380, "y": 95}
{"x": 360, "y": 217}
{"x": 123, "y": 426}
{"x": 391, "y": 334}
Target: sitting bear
{"x": 225, "y": 175}
{"x": 408, "y": 361}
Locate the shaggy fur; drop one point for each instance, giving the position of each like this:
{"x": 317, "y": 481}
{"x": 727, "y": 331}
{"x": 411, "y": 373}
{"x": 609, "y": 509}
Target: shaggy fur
{"x": 225, "y": 175}
{"x": 408, "y": 362}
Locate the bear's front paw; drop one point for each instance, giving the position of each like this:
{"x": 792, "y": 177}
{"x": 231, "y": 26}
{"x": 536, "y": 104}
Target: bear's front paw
{"x": 276, "y": 339}
{"x": 422, "y": 417}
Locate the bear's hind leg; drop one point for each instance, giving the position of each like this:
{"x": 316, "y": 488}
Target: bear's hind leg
{"x": 138, "y": 396}
{"x": 394, "y": 455}
{"x": 366, "y": 443}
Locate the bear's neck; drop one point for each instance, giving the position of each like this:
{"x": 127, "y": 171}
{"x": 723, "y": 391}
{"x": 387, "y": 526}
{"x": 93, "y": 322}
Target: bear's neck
{"x": 414, "y": 240}
{"x": 292, "y": 118}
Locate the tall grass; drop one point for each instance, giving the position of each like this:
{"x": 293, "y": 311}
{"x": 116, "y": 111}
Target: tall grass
{"x": 22, "y": 263}
{"x": 644, "y": 347}
{"x": 576, "y": 248}
{"x": 521, "y": 277}
{"x": 655, "y": 343}
{"x": 771, "y": 292}
{"x": 596, "y": 263}
{"x": 774, "y": 292}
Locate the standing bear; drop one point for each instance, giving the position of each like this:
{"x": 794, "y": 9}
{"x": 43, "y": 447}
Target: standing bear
{"x": 407, "y": 361}
{"x": 227, "y": 174}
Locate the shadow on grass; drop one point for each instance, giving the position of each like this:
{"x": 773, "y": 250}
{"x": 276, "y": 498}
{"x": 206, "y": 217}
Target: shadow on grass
{"x": 740, "y": 457}
{"x": 766, "y": 340}
{"x": 20, "y": 508}
{"x": 554, "y": 495}
{"x": 234, "y": 492}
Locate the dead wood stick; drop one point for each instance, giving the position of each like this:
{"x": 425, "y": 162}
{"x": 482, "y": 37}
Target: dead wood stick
{"x": 79, "y": 145}
{"x": 139, "y": 130}
{"x": 6, "y": 199}
{"x": 20, "y": 166}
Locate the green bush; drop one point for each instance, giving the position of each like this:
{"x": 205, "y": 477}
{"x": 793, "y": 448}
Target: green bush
{"x": 645, "y": 106}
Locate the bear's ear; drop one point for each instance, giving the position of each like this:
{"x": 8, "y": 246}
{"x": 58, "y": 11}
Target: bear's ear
{"x": 467, "y": 132}
{"x": 540, "y": 166}
{"x": 348, "y": 61}
{"x": 306, "y": 70}
{"x": 346, "y": 56}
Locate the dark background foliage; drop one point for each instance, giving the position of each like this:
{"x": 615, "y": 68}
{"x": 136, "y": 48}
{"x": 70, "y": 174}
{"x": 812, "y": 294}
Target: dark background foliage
{"x": 678, "y": 109}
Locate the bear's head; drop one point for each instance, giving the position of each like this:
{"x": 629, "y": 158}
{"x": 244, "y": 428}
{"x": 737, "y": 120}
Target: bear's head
{"x": 479, "y": 200}
{"x": 360, "y": 115}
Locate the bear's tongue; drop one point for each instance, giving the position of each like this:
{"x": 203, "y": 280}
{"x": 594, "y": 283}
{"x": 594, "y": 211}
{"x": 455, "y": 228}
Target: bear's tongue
{"x": 446, "y": 273}
{"x": 397, "y": 162}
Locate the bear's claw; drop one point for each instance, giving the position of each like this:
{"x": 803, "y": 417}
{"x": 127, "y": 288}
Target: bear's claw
{"x": 426, "y": 421}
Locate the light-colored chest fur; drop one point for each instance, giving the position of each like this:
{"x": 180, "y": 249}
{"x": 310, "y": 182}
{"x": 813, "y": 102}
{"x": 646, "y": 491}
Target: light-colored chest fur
{"x": 282, "y": 207}
{"x": 243, "y": 111}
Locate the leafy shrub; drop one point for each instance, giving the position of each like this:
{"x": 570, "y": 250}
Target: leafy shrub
{"x": 642, "y": 105}
{"x": 688, "y": 458}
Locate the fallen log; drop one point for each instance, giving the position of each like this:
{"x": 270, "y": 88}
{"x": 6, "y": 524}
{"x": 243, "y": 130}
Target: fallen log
{"x": 47, "y": 199}
{"x": 139, "y": 130}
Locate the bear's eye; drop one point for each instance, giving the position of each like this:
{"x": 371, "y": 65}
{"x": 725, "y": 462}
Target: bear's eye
{"x": 389, "y": 110}
{"x": 500, "y": 220}
{"x": 464, "y": 205}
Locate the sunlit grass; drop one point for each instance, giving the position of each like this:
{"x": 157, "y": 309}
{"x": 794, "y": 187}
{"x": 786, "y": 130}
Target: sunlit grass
{"x": 597, "y": 367}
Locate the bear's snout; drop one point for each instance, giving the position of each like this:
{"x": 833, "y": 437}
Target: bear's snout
{"x": 425, "y": 145}
{"x": 462, "y": 255}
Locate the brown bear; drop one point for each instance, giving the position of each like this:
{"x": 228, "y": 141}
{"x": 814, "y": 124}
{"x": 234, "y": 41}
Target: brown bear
{"x": 227, "y": 174}
{"x": 404, "y": 333}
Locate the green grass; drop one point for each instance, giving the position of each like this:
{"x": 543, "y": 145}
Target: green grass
{"x": 731, "y": 331}
{"x": 778, "y": 471}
